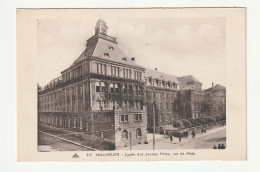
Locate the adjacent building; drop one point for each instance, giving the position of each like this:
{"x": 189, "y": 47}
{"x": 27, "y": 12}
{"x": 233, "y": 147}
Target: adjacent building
{"x": 161, "y": 97}
{"x": 191, "y": 97}
{"x": 215, "y": 100}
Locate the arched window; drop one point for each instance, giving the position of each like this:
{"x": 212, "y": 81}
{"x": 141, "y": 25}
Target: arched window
{"x": 138, "y": 132}
{"x": 124, "y": 134}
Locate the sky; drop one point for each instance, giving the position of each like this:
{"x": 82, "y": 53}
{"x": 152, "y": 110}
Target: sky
{"x": 175, "y": 45}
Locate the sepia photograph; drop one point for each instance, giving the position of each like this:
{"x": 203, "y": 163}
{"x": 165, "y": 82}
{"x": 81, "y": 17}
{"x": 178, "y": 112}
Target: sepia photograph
{"x": 135, "y": 80}
{"x": 107, "y": 99}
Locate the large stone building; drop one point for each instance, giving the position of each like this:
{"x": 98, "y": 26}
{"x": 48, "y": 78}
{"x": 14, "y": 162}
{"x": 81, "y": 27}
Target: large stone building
{"x": 161, "y": 97}
{"x": 215, "y": 100}
{"x": 191, "y": 97}
{"x": 106, "y": 94}
{"x": 102, "y": 93}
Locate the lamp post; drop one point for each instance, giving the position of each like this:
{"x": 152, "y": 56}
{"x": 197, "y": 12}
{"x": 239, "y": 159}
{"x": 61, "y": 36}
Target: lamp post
{"x": 130, "y": 134}
{"x": 153, "y": 129}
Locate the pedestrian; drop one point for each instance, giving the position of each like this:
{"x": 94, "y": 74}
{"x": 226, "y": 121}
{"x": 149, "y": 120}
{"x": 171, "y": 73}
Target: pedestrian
{"x": 223, "y": 146}
{"x": 193, "y": 134}
{"x": 184, "y": 133}
{"x": 187, "y": 133}
{"x": 171, "y": 137}
{"x": 180, "y": 139}
{"x": 214, "y": 147}
{"x": 202, "y": 130}
{"x": 219, "y": 146}
{"x": 205, "y": 130}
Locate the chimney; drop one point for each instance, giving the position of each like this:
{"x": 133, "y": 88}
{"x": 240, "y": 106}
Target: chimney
{"x": 212, "y": 84}
{"x": 155, "y": 69}
{"x": 133, "y": 59}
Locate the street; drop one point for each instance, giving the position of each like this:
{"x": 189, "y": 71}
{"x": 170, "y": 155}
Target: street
{"x": 202, "y": 141}
{"x": 49, "y": 144}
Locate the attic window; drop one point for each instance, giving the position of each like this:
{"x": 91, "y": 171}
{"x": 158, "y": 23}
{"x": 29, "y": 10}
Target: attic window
{"x": 124, "y": 59}
{"x": 111, "y": 47}
{"x": 106, "y": 54}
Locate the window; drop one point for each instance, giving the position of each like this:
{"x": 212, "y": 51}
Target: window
{"x": 104, "y": 69}
{"x": 124, "y": 73}
{"x": 60, "y": 121}
{"x": 101, "y": 134}
{"x": 116, "y": 88}
{"x": 111, "y": 88}
{"x": 95, "y": 118}
{"x": 108, "y": 118}
{"x": 138, "y": 132}
{"x": 138, "y": 117}
{"x": 69, "y": 122}
{"x": 74, "y": 122}
{"x": 80, "y": 89}
{"x": 106, "y": 54}
{"x": 80, "y": 123}
{"x": 125, "y": 88}
{"x": 124, "y": 118}
{"x": 167, "y": 106}
{"x": 124, "y": 134}
{"x": 98, "y": 89}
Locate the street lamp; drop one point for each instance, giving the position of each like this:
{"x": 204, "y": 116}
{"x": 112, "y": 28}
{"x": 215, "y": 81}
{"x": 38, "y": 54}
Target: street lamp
{"x": 130, "y": 134}
{"x": 153, "y": 129}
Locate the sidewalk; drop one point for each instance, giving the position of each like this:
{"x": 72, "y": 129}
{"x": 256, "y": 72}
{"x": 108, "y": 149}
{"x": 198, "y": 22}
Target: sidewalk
{"x": 164, "y": 143}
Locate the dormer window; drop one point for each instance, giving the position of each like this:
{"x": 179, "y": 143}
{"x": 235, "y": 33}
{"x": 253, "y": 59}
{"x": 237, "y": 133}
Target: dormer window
{"x": 111, "y": 47}
{"x": 106, "y": 54}
{"x": 124, "y": 59}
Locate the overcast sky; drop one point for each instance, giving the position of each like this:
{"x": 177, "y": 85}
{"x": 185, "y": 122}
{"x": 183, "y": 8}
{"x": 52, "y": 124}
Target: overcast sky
{"x": 176, "y": 46}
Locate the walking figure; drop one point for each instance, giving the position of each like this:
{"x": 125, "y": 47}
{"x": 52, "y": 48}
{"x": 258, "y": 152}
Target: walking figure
{"x": 223, "y": 146}
{"x": 180, "y": 139}
{"x": 219, "y": 146}
{"x": 187, "y": 133}
{"x": 171, "y": 137}
{"x": 202, "y": 130}
{"x": 214, "y": 147}
{"x": 193, "y": 134}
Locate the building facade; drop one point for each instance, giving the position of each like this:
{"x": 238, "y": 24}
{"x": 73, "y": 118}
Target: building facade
{"x": 105, "y": 94}
{"x": 191, "y": 97}
{"x": 161, "y": 98}
{"x": 215, "y": 100}
{"x": 101, "y": 93}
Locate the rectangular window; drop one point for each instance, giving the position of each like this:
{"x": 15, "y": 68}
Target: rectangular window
{"x": 74, "y": 122}
{"x": 98, "y": 89}
{"x": 108, "y": 119}
{"x": 138, "y": 117}
{"x": 101, "y": 134}
{"x": 123, "y": 72}
{"x": 126, "y": 73}
{"x": 80, "y": 123}
{"x": 124, "y": 118}
{"x": 117, "y": 71}
{"x": 104, "y": 69}
{"x": 95, "y": 118}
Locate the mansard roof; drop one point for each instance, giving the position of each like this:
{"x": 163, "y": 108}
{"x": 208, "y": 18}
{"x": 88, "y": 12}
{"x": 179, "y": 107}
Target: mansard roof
{"x": 159, "y": 75}
{"x": 106, "y": 48}
{"x": 186, "y": 80}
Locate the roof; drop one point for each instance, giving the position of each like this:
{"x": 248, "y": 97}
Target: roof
{"x": 114, "y": 53}
{"x": 56, "y": 79}
{"x": 188, "y": 79}
{"x": 161, "y": 76}
{"x": 104, "y": 47}
{"x": 216, "y": 88}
